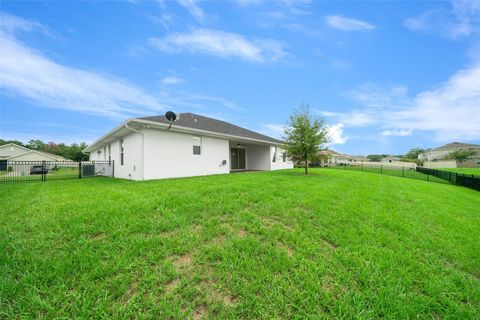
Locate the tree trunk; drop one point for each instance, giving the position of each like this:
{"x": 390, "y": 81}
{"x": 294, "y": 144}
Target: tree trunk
{"x": 306, "y": 166}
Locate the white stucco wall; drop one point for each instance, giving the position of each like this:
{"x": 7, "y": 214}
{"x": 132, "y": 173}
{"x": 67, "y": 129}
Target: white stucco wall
{"x": 440, "y": 164}
{"x": 396, "y": 164}
{"x": 132, "y": 167}
{"x": 170, "y": 154}
{"x": 257, "y": 157}
{"x": 279, "y": 164}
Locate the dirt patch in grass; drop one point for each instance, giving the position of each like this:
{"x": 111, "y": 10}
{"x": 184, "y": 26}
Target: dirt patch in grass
{"x": 270, "y": 222}
{"x": 200, "y": 312}
{"x": 131, "y": 292}
{"x": 196, "y": 228}
{"x": 218, "y": 240}
{"x": 184, "y": 261}
{"x": 242, "y": 233}
{"x": 287, "y": 249}
{"x": 170, "y": 286}
{"x": 328, "y": 243}
{"x": 227, "y": 300}
{"x": 213, "y": 294}
{"x": 98, "y": 236}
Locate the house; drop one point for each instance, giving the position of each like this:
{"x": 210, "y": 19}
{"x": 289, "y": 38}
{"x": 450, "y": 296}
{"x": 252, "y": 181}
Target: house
{"x": 439, "y": 157}
{"x": 15, "y": 152}
{"x": 333, "y": 158}
{"x": 12, "y": 152}
{"x": 192, "y": 145}
{"x": 390, "y": 159}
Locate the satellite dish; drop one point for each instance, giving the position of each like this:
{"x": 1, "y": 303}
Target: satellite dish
{"x": 171, "y": 116}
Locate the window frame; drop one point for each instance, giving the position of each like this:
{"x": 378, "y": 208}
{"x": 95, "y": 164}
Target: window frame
{"x": 122, "y": 151}
{"x": 197, "y": 145}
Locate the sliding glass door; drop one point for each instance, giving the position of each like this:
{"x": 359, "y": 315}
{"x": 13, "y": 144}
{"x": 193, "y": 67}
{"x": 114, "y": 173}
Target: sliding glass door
{"x": 237, "y": 157}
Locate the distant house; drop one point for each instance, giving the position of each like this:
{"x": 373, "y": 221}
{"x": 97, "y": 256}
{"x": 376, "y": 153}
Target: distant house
{"x": 193, "y": 145}
{"x": 12, "y": 152}
{"x": 390, "y": 159}
{"x": 439, "y": 157}
{"x": 333, "y": 158}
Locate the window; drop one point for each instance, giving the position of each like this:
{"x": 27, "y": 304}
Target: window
{"x": 109, "y": 154}
{"x": 121, "y": 152}
{"x": 274, "y": 154}
{"x": 197, "y": 145}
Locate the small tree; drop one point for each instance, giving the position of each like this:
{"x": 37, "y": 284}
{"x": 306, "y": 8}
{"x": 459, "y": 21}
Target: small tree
{"x": 413, "y": 153}
{"x": 304, "y": 136}
{"x": 461, "y": 155}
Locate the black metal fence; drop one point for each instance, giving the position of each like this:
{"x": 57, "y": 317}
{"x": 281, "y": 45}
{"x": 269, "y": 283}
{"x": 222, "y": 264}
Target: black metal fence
{"x": 42, "y": 171}
{"x": 419, "y": 173}
{"x": 460, "y": 179}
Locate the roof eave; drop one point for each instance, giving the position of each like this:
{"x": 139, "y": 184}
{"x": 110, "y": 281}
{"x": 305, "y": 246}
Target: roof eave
{"x": 176, "y": 128}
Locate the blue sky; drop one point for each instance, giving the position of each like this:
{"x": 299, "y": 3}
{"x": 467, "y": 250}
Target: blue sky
{"x": 387, "y": 76}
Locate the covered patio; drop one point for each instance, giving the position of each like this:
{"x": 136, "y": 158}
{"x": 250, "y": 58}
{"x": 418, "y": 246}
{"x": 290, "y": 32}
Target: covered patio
{"x": 249, "y": 157}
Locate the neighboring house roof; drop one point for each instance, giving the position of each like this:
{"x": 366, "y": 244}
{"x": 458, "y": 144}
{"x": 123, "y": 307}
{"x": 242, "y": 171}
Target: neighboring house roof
{"x": 333, "y": 153}
{"x": 390, "y": 158}
{"x": 14, "y": 145}
{"x": 195, "y": 121}
{"x": 50, "y": 154}
{"x": 330, "y": 153}
{"x": 362, "y": 158}
{"x": 44, "y": 154}
{"x": 26, "y": 151}
{"x": 456, "y": 146}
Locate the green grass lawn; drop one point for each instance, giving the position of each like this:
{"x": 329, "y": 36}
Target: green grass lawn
{"x": 474, "y": 171}
{"x": 333, "y": 244}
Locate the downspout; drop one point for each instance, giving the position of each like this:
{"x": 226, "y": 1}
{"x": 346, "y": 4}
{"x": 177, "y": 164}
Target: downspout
{"x": 143, "y": 149}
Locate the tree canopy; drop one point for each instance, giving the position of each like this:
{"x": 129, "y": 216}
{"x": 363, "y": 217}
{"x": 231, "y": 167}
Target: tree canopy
{"x": 304, "y": 135}
{"x": 71, "y": 152}
{"x": 412, "y": 154}
{"x": 461, "y": 155}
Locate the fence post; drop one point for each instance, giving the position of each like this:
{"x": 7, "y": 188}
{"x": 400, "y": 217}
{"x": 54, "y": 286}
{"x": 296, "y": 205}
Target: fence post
{"x": 43, "y": 170}
{"x": 403, "y": 172}
{"x": 80, "y": 169}
{"x": 113, "y": 168}
{"x": 381, "y": 169}
{"x": 362, "y": 167}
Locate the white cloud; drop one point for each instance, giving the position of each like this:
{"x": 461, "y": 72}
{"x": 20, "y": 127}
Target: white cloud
{"x": 221, "y": 44}
{"x": 347, "y": 24}
{"x": 193, "y": 8}
{"x": 11, "y": 24}
{"x": 336, "y": 134}
{"x": 461, "y": 18}
{"x": 397, "y": 132}
{"x": 375, "y": 96}
{"x": 273, "y": 129}
{"x": 171, "y": 80}
{"x": 351, "y": 119}
{"x": 27, "y": 73}
{"x": 449, "y": 112}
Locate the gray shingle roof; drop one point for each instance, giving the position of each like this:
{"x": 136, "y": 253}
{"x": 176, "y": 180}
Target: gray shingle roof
{"x": 195, "y": 121}
{"x": 457, "y": 145}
